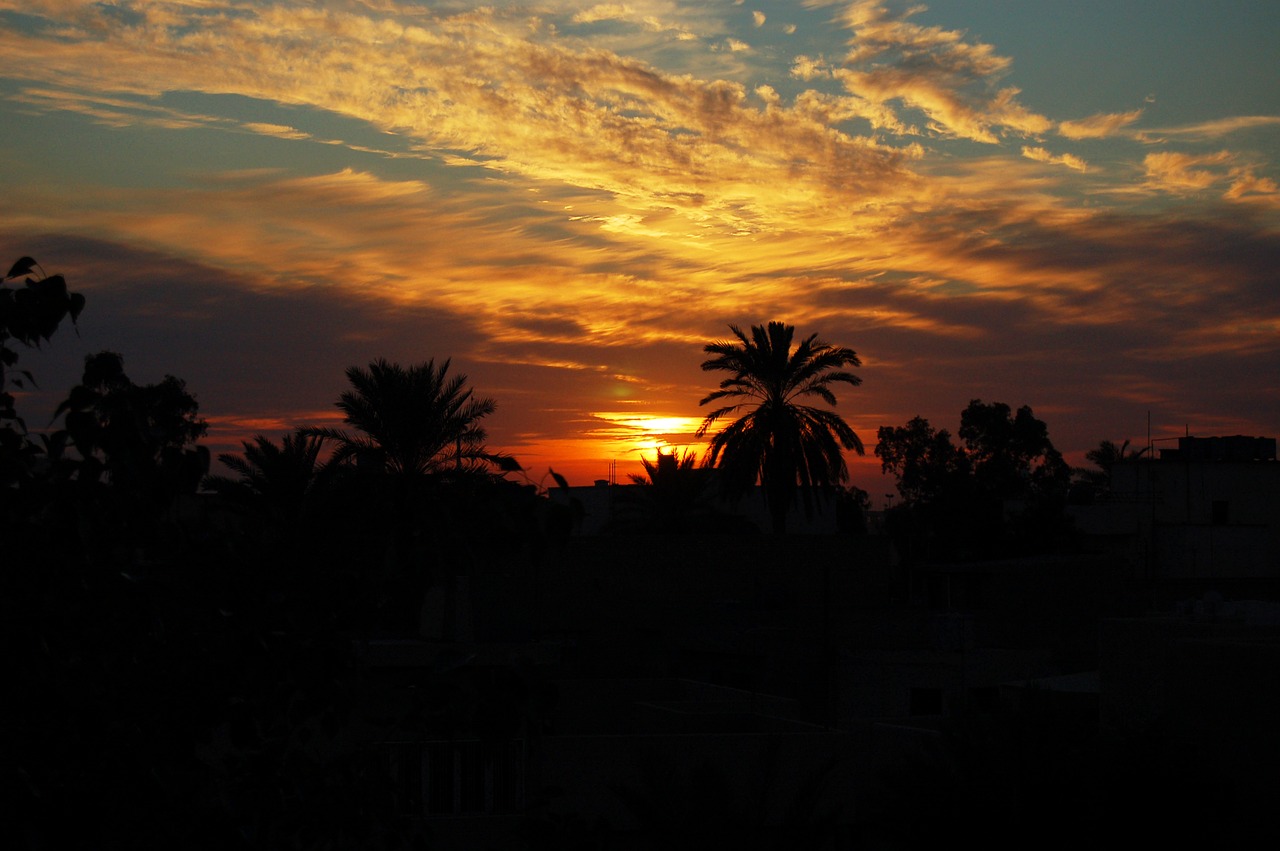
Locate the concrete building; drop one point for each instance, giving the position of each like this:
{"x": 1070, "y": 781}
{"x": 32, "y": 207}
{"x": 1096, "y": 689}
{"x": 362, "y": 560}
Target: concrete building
{"x": 1209, "y": 509}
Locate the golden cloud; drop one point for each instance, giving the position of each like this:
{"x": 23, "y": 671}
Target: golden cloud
{"x": 934, "y": 70}
{"x": 1215, "y": 129}
{"x": 580, "y": 196}
{"x": 1044, "y": 156}
{"x": 1176, "y": 172}
{"x": 1098, "y": 126}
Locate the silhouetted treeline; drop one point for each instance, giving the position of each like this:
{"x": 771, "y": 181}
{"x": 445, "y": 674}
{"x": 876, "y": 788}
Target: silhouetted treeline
{"x": 194, "y": 668}
{"x": 186, "y": 667}
{"x": 1000, "y": 492}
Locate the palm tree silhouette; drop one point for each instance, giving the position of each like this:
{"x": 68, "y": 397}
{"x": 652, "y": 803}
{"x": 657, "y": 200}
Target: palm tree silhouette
{"x": 280, "y": 478}
{"x": 672, "y": 497}
{"x": 422, "y": 469}
{"x": 666, "y": 468}
{"x": 412, "y": 422}
{"x": 1106, "y": 456}
{"x": 779, "y": 441}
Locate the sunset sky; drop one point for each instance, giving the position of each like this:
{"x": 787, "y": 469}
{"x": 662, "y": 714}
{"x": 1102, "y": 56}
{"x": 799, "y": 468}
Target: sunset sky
{"x": 1070, "y": 205}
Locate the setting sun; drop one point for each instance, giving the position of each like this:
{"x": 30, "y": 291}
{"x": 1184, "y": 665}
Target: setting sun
{"x": 626, "y": 436}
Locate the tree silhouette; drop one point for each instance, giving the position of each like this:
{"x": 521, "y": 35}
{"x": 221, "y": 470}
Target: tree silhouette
{"x": 167, "y": 700}
{"x": 124, "y": 460}
{"x": 671, "y": 498}
{"x": 935, "y": 480}
{"x": 1021, "y": 479}
{"x": 412, "y": 422}
{"x": 422, "y": 481}
{"x": 928, "y": 466}
{"x": 1106, "y": 456}
{"x": 1001, "y": 492}
{"x": 1011, "y": 453}
{"x": 778, "y": 441}
{"x": 30, "y": 315}
{"x": 279, "y": 476}
{"x": 137, "y": 438}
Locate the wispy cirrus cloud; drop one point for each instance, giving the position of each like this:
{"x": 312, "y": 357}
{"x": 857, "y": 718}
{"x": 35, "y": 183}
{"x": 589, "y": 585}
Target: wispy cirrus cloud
{"x": 659, "y": 17}
{"x": 1182, "y": 173}
{"x": 1045, "y": 156}
{"x": 279, "y": 131}
{"x": 114, "y": 111}
{"x": 952, "y": 81}
{"x": 1210, "y": 130}
{"x": 544, "y": 110}
{"x": 1098, "y": 126}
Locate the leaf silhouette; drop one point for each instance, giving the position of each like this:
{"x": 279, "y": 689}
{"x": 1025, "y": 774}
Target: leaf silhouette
{"x": 506, "y": 463}
{"x": 22, "y": 266}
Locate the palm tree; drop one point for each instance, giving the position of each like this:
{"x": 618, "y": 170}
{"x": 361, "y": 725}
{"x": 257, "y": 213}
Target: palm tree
{"x": 412, "y": 422}
{"x": 671, "y": 498}
{"x": 280, "y": 478}
{"x": 779, "y": 441}
{"x": 667, "y": 469}
{"x": 421, "y": 465}
{"x": 1106, "y": 456}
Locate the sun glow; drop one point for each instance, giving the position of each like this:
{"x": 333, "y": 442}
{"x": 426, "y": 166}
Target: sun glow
{"x": 629, "y": 435}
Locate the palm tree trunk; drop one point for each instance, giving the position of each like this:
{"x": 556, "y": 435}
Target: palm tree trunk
{"x": 777, "y": 475}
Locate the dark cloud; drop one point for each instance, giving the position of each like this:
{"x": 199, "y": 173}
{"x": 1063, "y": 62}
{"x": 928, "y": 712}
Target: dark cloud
{"x": 242, "y": 349}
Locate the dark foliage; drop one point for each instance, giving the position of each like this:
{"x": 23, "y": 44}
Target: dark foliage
{"x": 1092, "y": 484}
{"x": 137, "y": 438}
{"x": 29, "y": 315}
{"x": 189, "y": 666}
{"x": 412, "y": 421}
{"x": 1000, "y": 493}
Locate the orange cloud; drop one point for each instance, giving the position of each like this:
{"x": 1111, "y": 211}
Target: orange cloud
{"x": 952, "y": 81}
{"x": 1177, "y": 172}
{"x": 1098, "y": 126}
{"x": 1044, "y": 156}
{"x": 1247, "y": 185}
{"x": 1215, "y": 129}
